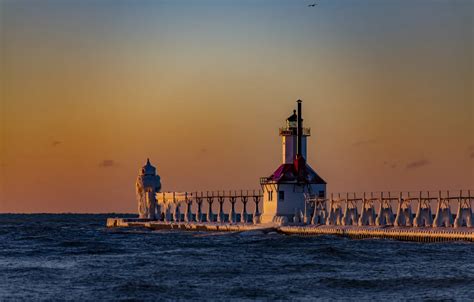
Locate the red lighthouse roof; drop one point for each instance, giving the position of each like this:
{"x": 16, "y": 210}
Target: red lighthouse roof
{"x": 289, "y": 173}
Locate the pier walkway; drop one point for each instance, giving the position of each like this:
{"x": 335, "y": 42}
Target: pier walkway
{"x": 355, "y": 232}
{"x": 419, "y": 216}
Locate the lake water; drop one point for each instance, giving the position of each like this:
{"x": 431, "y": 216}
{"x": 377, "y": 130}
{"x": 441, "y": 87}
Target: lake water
{"x": 75, "y": 257}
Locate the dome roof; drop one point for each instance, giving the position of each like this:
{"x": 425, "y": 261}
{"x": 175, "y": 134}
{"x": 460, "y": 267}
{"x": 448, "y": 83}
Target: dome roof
{"x": 293, "y": 117}
{"x": 148, "y": 169}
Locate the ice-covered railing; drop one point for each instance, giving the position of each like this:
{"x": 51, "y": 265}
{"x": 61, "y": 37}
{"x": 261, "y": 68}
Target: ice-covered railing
{"x": 418, "y": 209}
{"x": 170, "y": 204}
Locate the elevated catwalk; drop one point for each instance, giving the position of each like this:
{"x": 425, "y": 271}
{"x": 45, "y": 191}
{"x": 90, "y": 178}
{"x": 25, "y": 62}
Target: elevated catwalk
{"x": 420, "y": 217}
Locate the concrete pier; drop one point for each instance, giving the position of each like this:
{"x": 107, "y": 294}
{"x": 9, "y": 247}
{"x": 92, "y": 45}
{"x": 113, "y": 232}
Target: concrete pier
{"x": 354, "y": 215}
{"x": 425, "y": 234}
{"x": 396, "y": 233}
{"x": 185, "y": 226}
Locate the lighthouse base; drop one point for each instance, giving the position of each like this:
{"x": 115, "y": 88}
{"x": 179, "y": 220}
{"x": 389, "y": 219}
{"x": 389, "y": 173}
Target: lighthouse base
{"x": 285, "y": 202}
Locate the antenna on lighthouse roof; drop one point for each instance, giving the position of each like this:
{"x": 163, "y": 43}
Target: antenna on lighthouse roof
{"x": 299, "y": 130}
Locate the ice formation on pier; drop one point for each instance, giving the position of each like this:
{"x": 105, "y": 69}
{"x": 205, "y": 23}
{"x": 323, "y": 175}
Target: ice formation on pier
{"x": 319, "y": 214}
{"x": 404, "y": 216}
{"x": 335, "y": 212}
{"x": 350, "y": 214}
{"x": 367, "y": 216}
{"x": 147, "y": 185}
{"x": 385, "y": 215}
{"x": 443, "y": 215}
{"x": 464, "y": 214}
{"x": 423, "y": 215}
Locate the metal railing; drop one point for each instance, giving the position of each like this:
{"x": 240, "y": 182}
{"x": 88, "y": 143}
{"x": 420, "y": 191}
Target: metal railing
{"x": 285, "y": 131}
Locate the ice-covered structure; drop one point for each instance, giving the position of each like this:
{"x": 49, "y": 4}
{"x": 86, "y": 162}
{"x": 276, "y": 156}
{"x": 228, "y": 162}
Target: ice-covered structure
{"x": 443, "y": 215}
{"x": 404, "y": 215}
{"x": 335, "y": 212}
{"x": 385, "y": 215}
{"x": 423, "y": 215}
{"x": 367, "y": 216}
{"x": 147, "y": 185}
{"x": 464, "y": 214}
{"x": 351, "y": 217}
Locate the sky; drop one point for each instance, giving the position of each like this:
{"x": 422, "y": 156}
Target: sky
{"x": 90, "y": 89}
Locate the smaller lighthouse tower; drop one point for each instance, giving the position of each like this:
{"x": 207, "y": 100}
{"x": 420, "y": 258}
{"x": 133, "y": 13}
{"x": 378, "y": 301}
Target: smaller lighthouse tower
{"x": 147, "y": 185}
{"x": 283, "y": 191}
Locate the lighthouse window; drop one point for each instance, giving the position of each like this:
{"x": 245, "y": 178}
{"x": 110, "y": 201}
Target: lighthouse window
{"x": 281, "y": 195}
{"x": 270, "y": 195}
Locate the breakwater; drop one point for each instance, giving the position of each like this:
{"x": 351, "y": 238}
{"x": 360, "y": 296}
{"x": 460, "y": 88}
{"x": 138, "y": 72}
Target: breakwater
{"x": 355, "y": 232}
{"x": 185, "y": 226}
{"x": 396, "y": 233}
{"x": 420, "y": 216}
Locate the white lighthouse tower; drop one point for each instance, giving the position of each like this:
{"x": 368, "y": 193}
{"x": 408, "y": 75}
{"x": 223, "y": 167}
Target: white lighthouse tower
{"x": 283, "y": 191}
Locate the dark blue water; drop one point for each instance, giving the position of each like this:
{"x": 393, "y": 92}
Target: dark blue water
{"x": 74, "y": 257}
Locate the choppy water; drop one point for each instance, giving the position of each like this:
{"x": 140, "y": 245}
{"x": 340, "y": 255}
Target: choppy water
{"x": 74, "y": 257}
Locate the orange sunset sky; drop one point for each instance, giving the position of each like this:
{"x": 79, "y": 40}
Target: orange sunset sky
{"x": 90, "y": 89}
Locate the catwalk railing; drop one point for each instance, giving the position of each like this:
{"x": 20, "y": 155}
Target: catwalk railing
{"x": 420, "y": 209}
{"x": 417, "y": 209}
{"x": 171, "y": 202}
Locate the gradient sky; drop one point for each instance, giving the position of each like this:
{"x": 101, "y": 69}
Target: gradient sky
{"x": 91, "y": 88}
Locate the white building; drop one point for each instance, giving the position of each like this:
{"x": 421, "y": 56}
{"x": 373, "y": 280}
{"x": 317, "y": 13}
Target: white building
{"x": 147, "y": 185}
{"x": 283, "y": 191}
